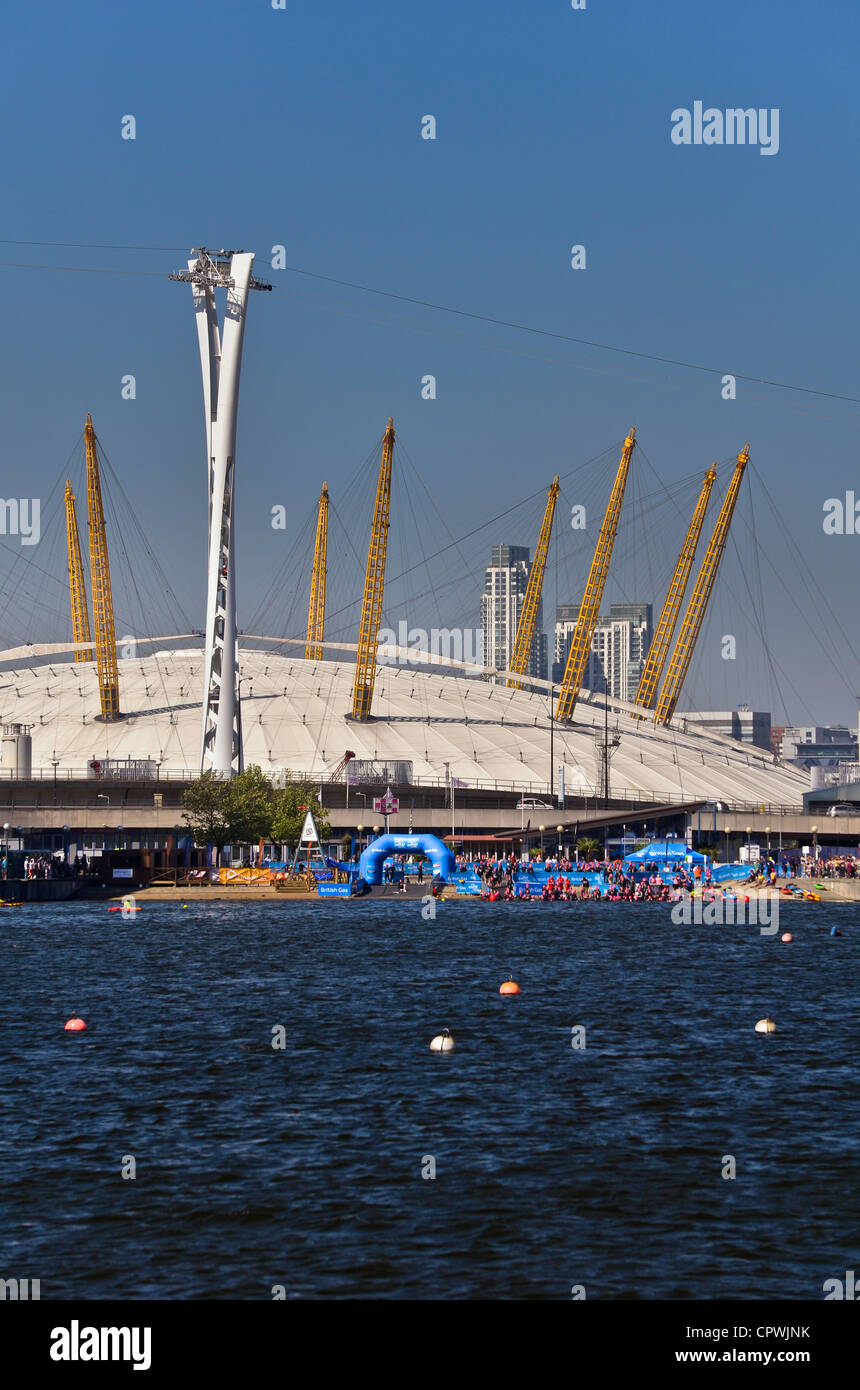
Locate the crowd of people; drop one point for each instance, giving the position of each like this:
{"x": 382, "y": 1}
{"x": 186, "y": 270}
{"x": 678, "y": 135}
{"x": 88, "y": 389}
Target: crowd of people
{"x": 597, "y": 879}
{"x": 769, "y": 868}
{"x": 49, "y": 866}
{"x": 837, "y": 866}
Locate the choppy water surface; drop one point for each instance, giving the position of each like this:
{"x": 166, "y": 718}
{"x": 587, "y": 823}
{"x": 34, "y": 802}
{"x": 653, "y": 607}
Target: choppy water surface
{"x": 302, "y": 1166}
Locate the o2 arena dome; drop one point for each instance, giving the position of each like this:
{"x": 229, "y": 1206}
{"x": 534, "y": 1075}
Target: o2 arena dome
{"x": 295, "y": 716}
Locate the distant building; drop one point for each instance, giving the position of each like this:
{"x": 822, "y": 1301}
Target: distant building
{"x": 619, "y": 647}
{"x": 819, "y": 745}
{"x": 505, "y": 585}
{"x": 743, "y": 724}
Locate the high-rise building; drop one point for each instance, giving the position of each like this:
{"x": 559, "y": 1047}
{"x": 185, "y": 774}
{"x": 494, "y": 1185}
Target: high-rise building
{"x": 619, "y": 647}
{"x": 507, "y": 578}
{"x": 743, "y": 724}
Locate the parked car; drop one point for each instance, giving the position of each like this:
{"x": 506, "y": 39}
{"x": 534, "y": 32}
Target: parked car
{"x": 531, "y": 805}
{"x": 843, "y": 808}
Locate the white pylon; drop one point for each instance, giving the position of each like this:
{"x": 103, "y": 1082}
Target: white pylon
{"x": 221, "y": 362}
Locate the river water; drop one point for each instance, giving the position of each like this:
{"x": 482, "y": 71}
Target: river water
{"x": 555, "y": 1166}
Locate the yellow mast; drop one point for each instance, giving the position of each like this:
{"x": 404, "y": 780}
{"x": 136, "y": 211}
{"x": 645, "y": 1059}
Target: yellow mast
{"x": 589, "y": 609}
{"x": 103, "y": 619}
{"x": 374, "y": 582}
{"x": 657, "y": 652}
{"x": 528, "y": 617}
{"x": 316, "y": 606}
{"x": 695, "y": 614}
{"x": 77, "y": 584}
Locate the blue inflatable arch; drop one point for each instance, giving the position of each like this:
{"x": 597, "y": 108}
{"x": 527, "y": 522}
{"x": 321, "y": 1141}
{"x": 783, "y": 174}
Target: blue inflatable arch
{"x": 371, "y": 861}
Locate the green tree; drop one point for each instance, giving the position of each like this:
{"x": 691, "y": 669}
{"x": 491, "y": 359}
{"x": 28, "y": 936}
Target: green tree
{"x": 206, "y": 812}
{"x": 291, "y": 806}
{"x": 251, "y": 804}
{"x": 588, "y": 847}
{"x": 229, "y": 810}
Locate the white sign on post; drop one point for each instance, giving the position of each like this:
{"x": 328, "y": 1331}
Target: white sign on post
{"x": 309, "y": 830}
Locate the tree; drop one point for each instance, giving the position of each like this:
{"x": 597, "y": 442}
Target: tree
{"x": 205, "y": 810}
{"x": 251, "y": 804}
{"x": 223, "y": 811}
{"x": 588, "y": 847}
{"x": 291, "y": 807}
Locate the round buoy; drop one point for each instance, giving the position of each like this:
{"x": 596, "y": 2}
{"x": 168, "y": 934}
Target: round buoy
{"x": 834, "y": 931}
{"x": 185, "y": 905}
{"x": 765, "y": 1025}
{"x": 510, "y": 986}
{"x": 443, "y": 1042}
{"x": 746, "y": 897}
{"x": 786, "y": 936}
{"x": 75, "y": 1025}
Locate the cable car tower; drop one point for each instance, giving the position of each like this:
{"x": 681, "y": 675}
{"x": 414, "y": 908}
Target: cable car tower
{"x": 221, "y": 362}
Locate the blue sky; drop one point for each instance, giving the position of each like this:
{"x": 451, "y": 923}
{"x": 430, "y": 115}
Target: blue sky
{"x": 301, "y": 127}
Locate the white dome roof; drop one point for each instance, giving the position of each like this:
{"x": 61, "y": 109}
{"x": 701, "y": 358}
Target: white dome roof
{"x": 294, "y": 715}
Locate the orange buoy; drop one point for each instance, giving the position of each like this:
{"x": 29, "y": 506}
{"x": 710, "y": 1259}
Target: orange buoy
{"x": 510, "y": 986}
{"x": 786, "y": 936}
{"x": 75, "y": 1025}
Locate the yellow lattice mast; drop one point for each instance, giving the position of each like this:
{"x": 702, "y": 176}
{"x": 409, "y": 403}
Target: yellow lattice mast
{"x": 77, "y": 584}
{"x": 316, "y": 606}
{"x": 695, "y": 614}
{"x": 657, "y": 652}
{"x": 374, "y": 582}
{"x": 589, "y": 609}
{"x": 531, "y": 603}
{"x": 100, "y": 579}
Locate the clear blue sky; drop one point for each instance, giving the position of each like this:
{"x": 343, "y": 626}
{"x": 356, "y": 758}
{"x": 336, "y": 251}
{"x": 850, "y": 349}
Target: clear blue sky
{"x": 302, "y": 126}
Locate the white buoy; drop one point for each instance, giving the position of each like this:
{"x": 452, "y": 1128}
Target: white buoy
{"x": 443, "y": 1042}
{"x": 765, "y": 1025}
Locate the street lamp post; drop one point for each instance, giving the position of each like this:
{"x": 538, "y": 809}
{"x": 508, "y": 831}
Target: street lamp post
{"x": 359, "y": 829}
{"x": 541, "y": 828}
{"x": 814, "y": 844}
{"x": 560, "y": 832}
{"x": 551, "y": 742}
{"x": 749, "y": 856}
